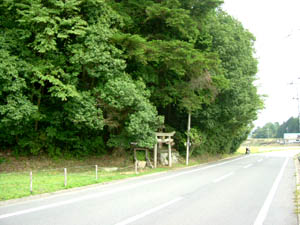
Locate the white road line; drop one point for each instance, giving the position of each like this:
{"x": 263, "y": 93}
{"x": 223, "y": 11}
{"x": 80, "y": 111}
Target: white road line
{"x": 109, "y": 192}
{"x": 148, "y": 212}
{"x": 259, "y": 160}
{"x": 265, "y": 208}
{"x": 247, "y": 166}
{"x": 223, "y": 177}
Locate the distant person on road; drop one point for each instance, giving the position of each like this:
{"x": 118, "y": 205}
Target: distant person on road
{"x": 247, "y": 151}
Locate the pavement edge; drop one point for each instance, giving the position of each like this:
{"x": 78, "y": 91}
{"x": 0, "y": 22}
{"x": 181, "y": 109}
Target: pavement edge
{"x": 297, "y": 200}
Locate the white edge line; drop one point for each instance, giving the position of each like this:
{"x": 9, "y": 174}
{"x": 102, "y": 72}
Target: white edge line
{"x": 148, "y": 212}
{"x": 247, "y": 166}
{"x": 104, "y": 193}
{"x": 265, "y": 208}
{"x": 223, "y": 177}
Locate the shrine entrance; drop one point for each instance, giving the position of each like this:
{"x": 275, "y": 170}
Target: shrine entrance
{"x": 163, "y": 138}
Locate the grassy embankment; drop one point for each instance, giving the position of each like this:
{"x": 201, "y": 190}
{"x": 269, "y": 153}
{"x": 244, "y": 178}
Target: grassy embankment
{"x": 266, "y": 145}
{"x": 48, "y": 174}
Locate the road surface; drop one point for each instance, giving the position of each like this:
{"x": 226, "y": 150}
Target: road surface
{"x": 251, "y": 190}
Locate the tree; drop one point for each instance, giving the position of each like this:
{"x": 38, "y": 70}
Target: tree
{"x": 269, "y": 130}
{"x": 289, "y": 126}
{"x": 58, "y": 67}
{"x": 228, "y": 120}
{"x": 79, "y": 77}
{"x": 203, "y": 65}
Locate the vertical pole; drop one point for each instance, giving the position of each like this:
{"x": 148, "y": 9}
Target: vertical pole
{"x": 65, "y": 177}
{"x": 188, "y": 139}
{"x": 134, "y": 154}
{"x": 155, "y": 155}
{"x": 135, "y": 167}
{"x": 96, "y": 172}
{"x": 170, "y": 154}
{"x": 30, "y": 174}
{"x": 147, "y": 159}
{"x": 298, "y": 111}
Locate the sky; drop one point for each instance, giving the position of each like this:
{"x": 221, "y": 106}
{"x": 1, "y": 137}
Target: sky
{"x": 276, "y": 26}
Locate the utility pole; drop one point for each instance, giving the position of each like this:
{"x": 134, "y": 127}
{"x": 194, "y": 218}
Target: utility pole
{"x": 188, "y": 139}
{"x": 298, "y": 101}
{"x": 298, "y": 111}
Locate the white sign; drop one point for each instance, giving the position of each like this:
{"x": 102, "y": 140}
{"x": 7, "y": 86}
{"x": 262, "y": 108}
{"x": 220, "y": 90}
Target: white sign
{"x": 293, "y": 136}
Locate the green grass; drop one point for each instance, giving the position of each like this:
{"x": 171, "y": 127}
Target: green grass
{"x": 263, "y": 149}
{"x": 253, "y": 149}
{"x": 16, "y": 185}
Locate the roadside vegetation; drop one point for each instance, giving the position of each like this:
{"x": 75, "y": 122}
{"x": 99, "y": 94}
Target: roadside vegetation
{"x": 48, "y": 174}
{"x": 49, "y": 177}
{"x": 17, "y": 185}
{"x": 81, "y": 78}
{"x": 276, "y": 130}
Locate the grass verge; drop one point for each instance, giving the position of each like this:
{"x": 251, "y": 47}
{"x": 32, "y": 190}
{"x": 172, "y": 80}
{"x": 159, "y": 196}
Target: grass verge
{"x": 264, "y": 149}
{"x": 17, "y": 184}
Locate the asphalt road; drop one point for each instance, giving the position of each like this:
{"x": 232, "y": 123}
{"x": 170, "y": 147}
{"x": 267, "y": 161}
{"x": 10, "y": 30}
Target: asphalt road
{"x": 252, "y": 190}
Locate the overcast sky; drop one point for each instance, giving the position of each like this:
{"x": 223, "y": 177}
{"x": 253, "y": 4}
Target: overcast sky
{"x": 276, "y": 26}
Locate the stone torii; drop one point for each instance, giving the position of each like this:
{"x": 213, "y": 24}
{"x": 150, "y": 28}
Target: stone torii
{"x": 163, "y": 138}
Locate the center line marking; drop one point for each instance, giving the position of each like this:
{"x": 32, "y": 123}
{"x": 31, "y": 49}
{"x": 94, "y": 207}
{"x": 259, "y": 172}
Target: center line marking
{"x": 148, "y": 212}
{"x": 247, "y": 166}
{"x": 223, "y": 177}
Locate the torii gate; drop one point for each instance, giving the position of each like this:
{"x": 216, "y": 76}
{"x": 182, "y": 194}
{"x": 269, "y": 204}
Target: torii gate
{"x": 160, "y": 139}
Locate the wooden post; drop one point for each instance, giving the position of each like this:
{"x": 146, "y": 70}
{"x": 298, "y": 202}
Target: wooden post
{"x": 146, "y": 155}
{"x": 136, "y": 167}
{"x": 188, "y": 139}
{"x": 170, "y": 154}
{"x": 65, "y": 170}
{"x": 134, "y": 154}
{"x": 96, "y": 172}
{"x": 147, "y": 159}
{"x": 30, "y": 174}
{"x": 155, "y": 155}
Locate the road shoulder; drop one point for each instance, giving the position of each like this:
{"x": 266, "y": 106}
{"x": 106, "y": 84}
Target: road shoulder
{"x": 297, "y": 192}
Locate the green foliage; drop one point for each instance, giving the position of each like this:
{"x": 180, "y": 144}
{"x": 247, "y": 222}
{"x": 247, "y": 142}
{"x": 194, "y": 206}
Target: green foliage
{"x": 197, "y": 138}
{"x": 82, "y": 77}
{"x": 58, "y": 67}
{"x": 289, "y": 126}
{"x": 269, "y": 130}
{"x": 276, "y": 130}
{"x": 228, "y": 119}
{"x": 140, "y": 155}
{"x": 131, "y": 115}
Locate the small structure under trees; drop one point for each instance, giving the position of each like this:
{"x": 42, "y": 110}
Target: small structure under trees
{"x": 163, "y": 138}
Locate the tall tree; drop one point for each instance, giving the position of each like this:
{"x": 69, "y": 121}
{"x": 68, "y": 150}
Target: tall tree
{"x": 289, "y": 126}
{"x": 58, "y": 70}
{"x": 269, "y": 130}
{"x": 80, "y": 76}
{"x": 203, "y": 65}
{"x": 228, "y": 120}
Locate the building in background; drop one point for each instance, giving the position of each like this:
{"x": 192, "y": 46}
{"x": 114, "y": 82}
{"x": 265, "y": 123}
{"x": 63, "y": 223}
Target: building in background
{"x": 291, "y": 137}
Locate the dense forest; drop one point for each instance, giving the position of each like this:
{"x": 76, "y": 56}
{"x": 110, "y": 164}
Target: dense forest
{"x": 276, "y": 130}
{"x": 83, "y": 77}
